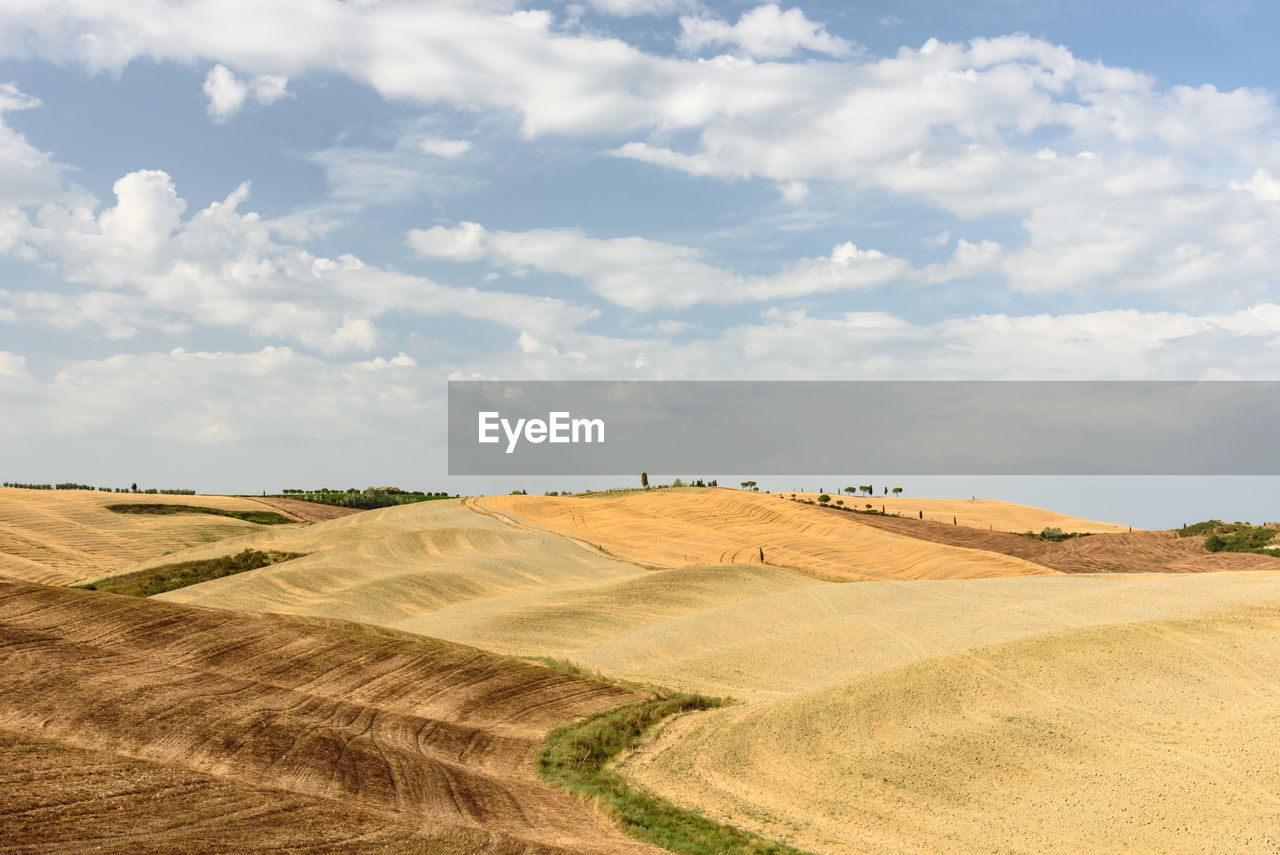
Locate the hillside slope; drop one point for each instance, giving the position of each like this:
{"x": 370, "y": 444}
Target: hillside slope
{"x": 60, "y": 536}
{"x": 393, "y": 564}
{"x": 334, "y": 717}
{"x": 990, "y": 514}
{"x": 1116, "y": 552}
{"x": 1140, "y": 737}
{"x": 718, "y": 526}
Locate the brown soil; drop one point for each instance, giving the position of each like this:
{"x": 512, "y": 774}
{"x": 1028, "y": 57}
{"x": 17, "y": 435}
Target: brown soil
{"x": 339, "y": 719}
{"x": 1128, "y": 552}
{"x": 308, "y": 511}
{"x": 59, "y": 799}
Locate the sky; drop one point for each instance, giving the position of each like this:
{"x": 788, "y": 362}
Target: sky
{"x": 243, "y": 246}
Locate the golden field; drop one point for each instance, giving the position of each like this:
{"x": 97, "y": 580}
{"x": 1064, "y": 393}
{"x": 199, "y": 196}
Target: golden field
{"x": 904, "y": 685}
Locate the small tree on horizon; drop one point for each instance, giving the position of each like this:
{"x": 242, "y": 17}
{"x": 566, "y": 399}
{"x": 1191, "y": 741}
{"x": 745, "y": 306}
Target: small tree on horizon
{"x": 644, "y": 480}
{"x": 897, "y": 491}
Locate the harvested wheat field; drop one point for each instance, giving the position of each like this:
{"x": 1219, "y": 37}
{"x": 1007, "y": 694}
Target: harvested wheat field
{"x": 394, "y": 564}
{"x": 1138, "y": 737}
{"x": 990, "y": 514}
{"x": 1092, "y": 709}
{"x": 294, "y": 733}
{"x": 61, "y": 536}
{"x": 719, "y": 526}
{"x": 1119, "y": 552}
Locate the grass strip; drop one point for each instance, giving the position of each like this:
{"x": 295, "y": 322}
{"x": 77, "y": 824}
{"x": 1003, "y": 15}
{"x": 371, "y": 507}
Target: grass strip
{"x": 576, "y": 757}
{"x": 259, "y": 517}
{"x": 169, "y": 577}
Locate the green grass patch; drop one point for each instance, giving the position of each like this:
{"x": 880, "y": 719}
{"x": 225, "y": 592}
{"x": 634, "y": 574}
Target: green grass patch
{"x": 169, "y": 577}
{"x": 1233, "y": 537}
{"x": 577, "y": 757}
{"x": 259, "y": 517}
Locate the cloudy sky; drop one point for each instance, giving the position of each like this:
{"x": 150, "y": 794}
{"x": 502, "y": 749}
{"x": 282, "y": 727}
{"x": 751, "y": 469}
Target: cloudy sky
{"x": 243, "y": 245}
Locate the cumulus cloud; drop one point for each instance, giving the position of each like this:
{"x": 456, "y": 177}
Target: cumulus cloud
{"x": 643, "y": 274}
{"x": 27, "y": 175}
{"x": 227, "y": 93}
{"x": 463, "y": 242}
{"x": 142, "y": 264}
{"x": 765, "y": 32}
{"x": 968, "y": 260}
{"x": 1104, "y": 179}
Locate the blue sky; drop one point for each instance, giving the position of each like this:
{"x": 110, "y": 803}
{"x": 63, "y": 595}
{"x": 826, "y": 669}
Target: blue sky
{"x": 244, "y": 249}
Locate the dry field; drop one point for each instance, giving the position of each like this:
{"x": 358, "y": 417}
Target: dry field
{"x": 179, "y": 725}
{"x": 1144, "y": 737}
{"x": 983, "y": 692}
{"x": 306, "y": 511}
{"x": 1111, "y": 552}
{"x": 990, "y": 514}
{"x": 720, "y": 526}
{"x": 395, "y": 564}
{"x": 62, "y": 536}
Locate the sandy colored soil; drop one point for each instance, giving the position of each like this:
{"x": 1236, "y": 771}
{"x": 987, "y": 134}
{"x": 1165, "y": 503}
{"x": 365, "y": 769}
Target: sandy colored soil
{"x": 394, "y": 564}
{"x": 1124, "y": 552}
{"x": 720, "y": 526}
{"x": 62, "y": 536}
{"x": 1142, "y": 737}
{"x": 1066, "y": 712}
{"x": 990, "y": 514}
{"x": 195, "y": 714}
{"x": 308, "y": 511}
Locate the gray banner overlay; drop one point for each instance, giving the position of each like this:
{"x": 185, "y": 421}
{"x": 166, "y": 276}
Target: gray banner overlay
{"x": 698, "y": 429}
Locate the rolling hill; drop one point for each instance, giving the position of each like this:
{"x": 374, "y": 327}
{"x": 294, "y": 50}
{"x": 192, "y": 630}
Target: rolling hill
{"x": 62, "y": 536}
{"x": 719, "y": 526}
{"x": 1006, "y": 711}
{"x": 309, "y": 733}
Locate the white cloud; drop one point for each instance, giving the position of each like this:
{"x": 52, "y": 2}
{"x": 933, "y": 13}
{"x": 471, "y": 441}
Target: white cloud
{"x": 143, "y": 265}
{"x": 631, "y": 8}
{"x": 765, "y": 32}
{"x": 1117, "y": 344}
{"x": 1261, "y": 185}
{"x": 794, "y": 192}
{"x": 227, "y": 93}
{"x": 12, "y": 364}
{"x": 269, "y": 88}
{"x": 969, "y": 259}
{"x": 464, "y": 242}
{"x": 643, "y": 274}
{"x": 27, "y": 175}
{"x": 1138, "y": 192}
{"x": 444, "y": 148}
